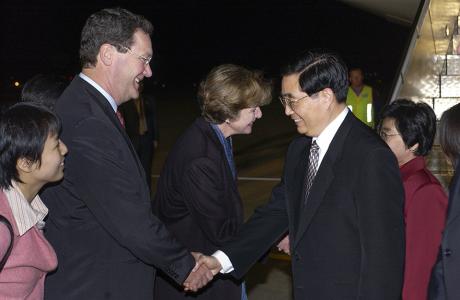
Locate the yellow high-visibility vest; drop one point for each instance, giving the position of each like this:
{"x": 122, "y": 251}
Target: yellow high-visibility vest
{"x": 361, "y": 105}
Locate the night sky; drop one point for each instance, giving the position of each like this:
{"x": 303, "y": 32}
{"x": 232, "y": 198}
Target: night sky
{"x": 191, "y": 36}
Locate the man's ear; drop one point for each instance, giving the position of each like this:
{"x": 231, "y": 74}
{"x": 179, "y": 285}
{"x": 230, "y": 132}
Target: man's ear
{"x": 106, "y": 54}
{"x": 327, "y": 94}
{"x": 25, "y": 165}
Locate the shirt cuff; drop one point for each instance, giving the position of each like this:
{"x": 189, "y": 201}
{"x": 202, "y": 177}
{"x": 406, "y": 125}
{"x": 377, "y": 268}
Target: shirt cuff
{"x": 224, "y": 261}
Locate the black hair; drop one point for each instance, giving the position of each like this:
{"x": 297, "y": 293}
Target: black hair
{"x": 43, "y": 89}
{"x": 415, "y": 122}
{"x": 449, "y": 133}
{"x": 318, "y": 71}
{"x": 24, "y": 128}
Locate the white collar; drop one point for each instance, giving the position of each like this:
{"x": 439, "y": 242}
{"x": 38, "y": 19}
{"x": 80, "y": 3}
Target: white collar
{"x": 26, "y": 214}
{"x": 101, "y": 90}
{"x": 324, "y": 139}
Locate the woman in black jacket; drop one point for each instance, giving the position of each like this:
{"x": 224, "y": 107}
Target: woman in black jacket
{"x": 197, "y": 195}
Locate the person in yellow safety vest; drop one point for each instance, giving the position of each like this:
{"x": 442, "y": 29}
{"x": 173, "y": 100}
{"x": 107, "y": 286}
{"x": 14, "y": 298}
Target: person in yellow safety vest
{"x": 359, "y": 97}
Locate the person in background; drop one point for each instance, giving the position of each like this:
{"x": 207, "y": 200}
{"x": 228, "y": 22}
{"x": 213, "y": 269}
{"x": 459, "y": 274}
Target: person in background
{"x": 141, "y": 125}
{"x": 409, "y": 129}
{"x": 43, "y": 89}
{"x": 360, "y": 97}
{"x": 446, "y": 272}
{"x": 31, "y": 155}
{"x": 197, "y": 195}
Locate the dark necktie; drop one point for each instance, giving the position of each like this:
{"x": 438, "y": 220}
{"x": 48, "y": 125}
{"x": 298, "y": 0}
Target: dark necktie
{"x": 312, "y": 167}
{"x": 120, "y": 118}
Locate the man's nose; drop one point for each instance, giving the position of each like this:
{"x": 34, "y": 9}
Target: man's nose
{"x": 288, "y": 110}
{"x": 148, "y": 71}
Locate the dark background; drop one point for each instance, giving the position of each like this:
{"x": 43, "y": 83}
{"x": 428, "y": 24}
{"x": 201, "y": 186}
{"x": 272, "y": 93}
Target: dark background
{"x": 192, "y": 36}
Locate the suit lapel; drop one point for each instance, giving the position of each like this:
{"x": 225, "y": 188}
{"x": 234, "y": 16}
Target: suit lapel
{"x": 107, "y": 109}
{"x": 324, "y": 178}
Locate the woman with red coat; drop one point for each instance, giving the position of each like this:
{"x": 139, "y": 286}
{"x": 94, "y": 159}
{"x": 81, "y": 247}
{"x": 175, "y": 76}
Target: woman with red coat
{"x": 409, "y": 129}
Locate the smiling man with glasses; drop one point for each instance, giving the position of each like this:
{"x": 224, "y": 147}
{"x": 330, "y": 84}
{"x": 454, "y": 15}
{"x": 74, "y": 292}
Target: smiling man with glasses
{"x": 340, "y": 197}
{"x": 106, "y": 238}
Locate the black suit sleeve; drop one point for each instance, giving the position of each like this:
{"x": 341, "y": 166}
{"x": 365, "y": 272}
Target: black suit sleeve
{"x": 103, "y": 172}
{"x": 206, "y": 198}
{"x": 265, "y": 227}
{"x": 379, "y": 201}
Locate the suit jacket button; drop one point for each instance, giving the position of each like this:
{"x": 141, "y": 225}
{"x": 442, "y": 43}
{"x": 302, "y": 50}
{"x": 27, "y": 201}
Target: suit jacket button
{"x": 447, "y": 252}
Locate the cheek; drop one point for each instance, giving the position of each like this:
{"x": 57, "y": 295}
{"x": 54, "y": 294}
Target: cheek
{"x": 308, "y": 114}
{"x": 54, "y": 160}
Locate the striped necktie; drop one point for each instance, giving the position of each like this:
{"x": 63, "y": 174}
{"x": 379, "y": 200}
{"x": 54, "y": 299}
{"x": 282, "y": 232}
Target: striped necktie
{"x": 312, "y": 168}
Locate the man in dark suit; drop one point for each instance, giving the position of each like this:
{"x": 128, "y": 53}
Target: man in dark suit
{"x": 340, "y": 198}
{"x": 101, "y": 226}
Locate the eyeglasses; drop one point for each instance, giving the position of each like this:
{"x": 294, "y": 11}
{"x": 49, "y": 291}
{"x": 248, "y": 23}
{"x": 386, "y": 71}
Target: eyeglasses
{"x": 288, "y": 101}
{"x": 385, "y": 135}
{"x": 145, "y": 60}
{"x": 291, "y": 102}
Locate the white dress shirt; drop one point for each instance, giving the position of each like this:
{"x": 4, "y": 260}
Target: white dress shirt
{"x": 101, "y": 90}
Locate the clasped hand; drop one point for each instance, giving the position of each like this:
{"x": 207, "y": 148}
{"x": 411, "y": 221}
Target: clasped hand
{"x": 203, "y": 272}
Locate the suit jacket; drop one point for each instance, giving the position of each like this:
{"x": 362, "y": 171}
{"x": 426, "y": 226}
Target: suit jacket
{"x": 425, "y": 215}
{"x": 101, "y": 225}
{"x": 348, "y": 242}
{"x": 450, "y": 244}
{"x": 198, "y": 200}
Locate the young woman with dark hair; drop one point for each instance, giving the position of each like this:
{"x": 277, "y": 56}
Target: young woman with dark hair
{"x": 31, "y": 155}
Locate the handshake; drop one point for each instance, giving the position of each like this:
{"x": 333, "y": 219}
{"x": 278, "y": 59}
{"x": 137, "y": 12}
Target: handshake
{"x": 205, "y": 269}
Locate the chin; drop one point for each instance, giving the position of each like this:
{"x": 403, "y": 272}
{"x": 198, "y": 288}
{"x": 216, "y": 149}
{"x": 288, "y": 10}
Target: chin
{"x": 301, "y": 130}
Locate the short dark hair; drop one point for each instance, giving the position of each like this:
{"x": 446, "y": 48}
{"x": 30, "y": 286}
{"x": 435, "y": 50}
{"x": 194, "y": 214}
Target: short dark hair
{"x": 43, "y": 89}
{"x": 319, "y": 71}
{"x": 449, "y": 133}
{"x": 229, "y": 88}
{"x": 115, "y": 26}
{"x": 24, "y": 128}
{"x": 415, "y": 122}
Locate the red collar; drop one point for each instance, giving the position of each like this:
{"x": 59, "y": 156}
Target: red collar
{"x": 412, "y": 166}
